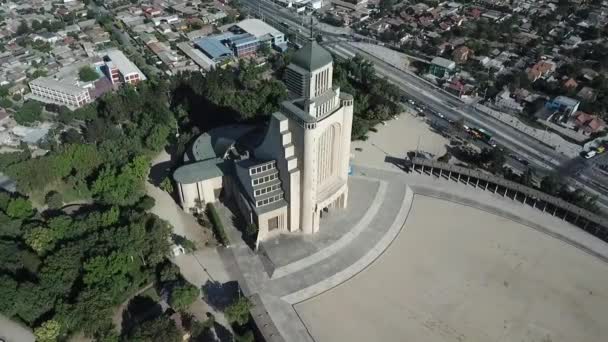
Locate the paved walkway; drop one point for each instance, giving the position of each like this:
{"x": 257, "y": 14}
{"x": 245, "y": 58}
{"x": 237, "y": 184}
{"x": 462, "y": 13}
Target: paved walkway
{"x": 201, "y": 267}
{"x": 12, "y": 331}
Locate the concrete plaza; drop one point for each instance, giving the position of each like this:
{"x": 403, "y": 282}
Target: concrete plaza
{"x": 425, "y": 259}
{"x": 456, "y": 273}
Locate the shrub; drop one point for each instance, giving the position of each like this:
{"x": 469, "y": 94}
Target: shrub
{"x": 183, "y": 296}
{"x": 238, "y": 312}
{"x": 54, "y": 200}
{"x": 218, "y": 227}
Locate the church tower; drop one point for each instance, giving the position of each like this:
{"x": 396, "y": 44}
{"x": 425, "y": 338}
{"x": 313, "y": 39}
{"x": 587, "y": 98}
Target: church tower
{"x": 320, "y": 120}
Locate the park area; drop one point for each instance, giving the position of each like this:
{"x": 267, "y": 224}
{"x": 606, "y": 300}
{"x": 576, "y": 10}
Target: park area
{"x": 455, "y": 273}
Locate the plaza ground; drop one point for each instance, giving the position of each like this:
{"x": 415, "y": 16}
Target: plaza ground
{"x": 395, "y": 139}
{"x": 455, "y": 273}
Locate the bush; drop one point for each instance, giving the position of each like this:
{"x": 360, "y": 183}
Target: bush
{"x": 17, "y": 97}
{"x": 183, "y": 296}
{"x": 146, "y": 203}
{"x": 6, "y": 103}
{"x": 238, "y": 312}
{"x": 218, "y": 227}
{"x": 54, "y": 200}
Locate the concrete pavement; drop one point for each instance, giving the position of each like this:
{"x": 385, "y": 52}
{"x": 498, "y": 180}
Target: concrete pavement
{"x": 12, "y": 331}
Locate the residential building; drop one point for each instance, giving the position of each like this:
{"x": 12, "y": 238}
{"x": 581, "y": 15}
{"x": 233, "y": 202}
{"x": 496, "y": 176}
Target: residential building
{"x": 587, "y": 94}
{"x": 462, "y": 54}
{"x": 541, "y": 70}
{"x": 440, "y": 67}
{"x": 298, "y": 171}
{"x": 588, "y": 124}
{"x": 351, "y": 4}
{"x": 49, "y": 90}
{"x": 120, "y": 69}
{"x": 563, "y": 105}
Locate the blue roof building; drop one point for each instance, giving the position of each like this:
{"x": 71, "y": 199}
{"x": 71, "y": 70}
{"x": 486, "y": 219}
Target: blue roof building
{"x": 243, "y": 44}
{"x": 213, "y": 48}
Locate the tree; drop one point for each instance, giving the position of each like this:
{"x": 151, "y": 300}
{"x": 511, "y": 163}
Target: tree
{"x": 87, "y": 74}
{"x": 48, "y": 331}
{"x": 5, "y": 103}
{"x": 161, "y": 329}
{"x": 23, "y": 28}
{"x": 54, "y": 200}
{"x": 19, "y": 208}
{"x": 167, "y": 185}
{"x": 245, "y": 337}
{"x": 30, "y": 112}
{"x": 238, "y": 312}
{"x": 40, "y": 239}
{"x": 551, "y": 185}
{"x": 182, "y": 296}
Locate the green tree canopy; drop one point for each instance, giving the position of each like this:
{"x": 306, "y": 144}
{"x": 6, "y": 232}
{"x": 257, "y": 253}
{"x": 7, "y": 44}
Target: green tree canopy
{"x": 30, "y": 112}
{"x": 48, "y": 331}
{"x": 238, "y": 312}
{"x": 182, "y": 296}
{"x": 87, "y": 74}
{"x": 161, "y": 329}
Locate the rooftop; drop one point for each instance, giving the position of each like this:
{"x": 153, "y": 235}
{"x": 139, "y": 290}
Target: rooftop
{"x": 123, "y": 64}
{"x": 258, "y": 28}
{"x": 213, "y": 47}
{"x": 62, "y": 86}
{"x": 312, "y": 56}
{"x": 199, "y": 171}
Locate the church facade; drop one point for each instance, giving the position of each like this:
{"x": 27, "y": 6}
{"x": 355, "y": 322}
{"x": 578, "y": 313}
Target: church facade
{"x": 284, "y": 181}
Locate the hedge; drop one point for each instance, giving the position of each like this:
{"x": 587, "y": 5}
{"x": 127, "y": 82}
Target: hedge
{"x": 218, "y": 226}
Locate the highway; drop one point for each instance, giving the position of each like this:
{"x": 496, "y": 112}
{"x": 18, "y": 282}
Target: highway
{"x": 538, "y": 154}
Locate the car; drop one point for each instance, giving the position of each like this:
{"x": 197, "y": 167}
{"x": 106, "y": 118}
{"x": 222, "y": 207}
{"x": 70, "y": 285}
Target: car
{"x": 358, "y": 149}
{"x": 384, "y": 123}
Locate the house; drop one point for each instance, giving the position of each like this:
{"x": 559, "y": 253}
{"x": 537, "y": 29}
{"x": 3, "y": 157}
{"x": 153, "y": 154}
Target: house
{"x": 541, "y": 69}
{"x": 47, "y": 37}
{"x": 461, "y": 55}
{"x": 505, "y": 102}
{"x": 587, "y": 94}
{"x": 563, "y": 105}
{"x": 440, "y": 67}
{"x": 588, "y": 124}
{"x": 570, "y": 84}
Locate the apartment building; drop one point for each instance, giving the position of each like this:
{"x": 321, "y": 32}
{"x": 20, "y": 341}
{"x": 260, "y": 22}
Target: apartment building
{"x": 54, "y": 91}
{"x": 120, "y": 69}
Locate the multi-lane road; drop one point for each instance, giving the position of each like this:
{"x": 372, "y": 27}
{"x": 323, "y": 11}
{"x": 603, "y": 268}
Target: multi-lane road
{"x": 537, "y": 153}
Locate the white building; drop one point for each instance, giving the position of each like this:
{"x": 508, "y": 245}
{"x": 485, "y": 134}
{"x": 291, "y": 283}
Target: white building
{"x": 263, "y": 32}
{"x": 285, "y": 180}
{"x": 120, "y": 69}
{"x": 50, "y": 90}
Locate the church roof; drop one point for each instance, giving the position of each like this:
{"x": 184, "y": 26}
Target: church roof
{"x": 311, "y": 56}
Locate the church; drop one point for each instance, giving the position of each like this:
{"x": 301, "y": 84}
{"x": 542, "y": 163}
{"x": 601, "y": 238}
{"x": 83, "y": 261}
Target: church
{"x": 283, "y": 178}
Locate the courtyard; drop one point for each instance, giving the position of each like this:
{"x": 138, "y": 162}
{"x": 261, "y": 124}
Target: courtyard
{"x": 456, "y": 273}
